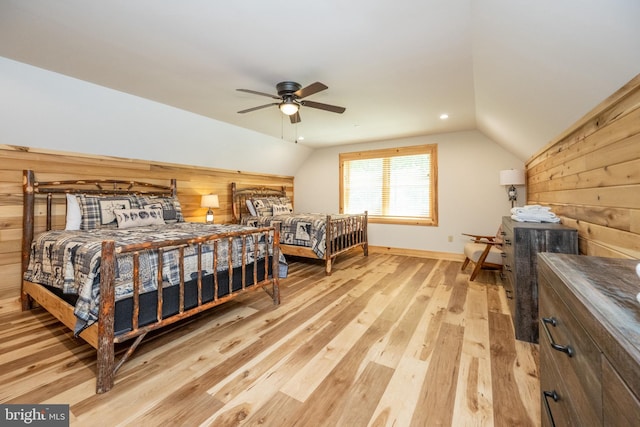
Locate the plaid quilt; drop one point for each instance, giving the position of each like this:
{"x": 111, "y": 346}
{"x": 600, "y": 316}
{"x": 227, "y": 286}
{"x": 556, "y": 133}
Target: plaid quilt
{"x": 308, "y": 230}
{"x": 70, "y": 260}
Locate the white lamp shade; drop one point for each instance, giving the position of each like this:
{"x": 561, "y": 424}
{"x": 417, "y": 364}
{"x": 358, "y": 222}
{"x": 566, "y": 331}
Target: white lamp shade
{"x": 289, "y": 108}
{"x": 512, "y": 177}
{"x": 210, "y": 201}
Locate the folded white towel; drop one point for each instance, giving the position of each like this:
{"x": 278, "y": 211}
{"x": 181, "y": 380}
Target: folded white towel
{"x": 530, "y": 209}
{"x": 535, "y": 218}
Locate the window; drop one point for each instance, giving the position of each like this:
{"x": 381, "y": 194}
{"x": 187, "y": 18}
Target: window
{"x": 395, "y": 185}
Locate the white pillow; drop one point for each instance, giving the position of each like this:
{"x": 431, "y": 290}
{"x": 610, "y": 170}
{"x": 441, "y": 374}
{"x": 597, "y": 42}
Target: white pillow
{"x": 252, "y": 209}
{"x": 128, "y": 218}
{"x": 280, "y": 210}
{"x": 74, "y": 215}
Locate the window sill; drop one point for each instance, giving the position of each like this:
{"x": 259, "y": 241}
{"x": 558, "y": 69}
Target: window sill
{"x": 430, "y": 222}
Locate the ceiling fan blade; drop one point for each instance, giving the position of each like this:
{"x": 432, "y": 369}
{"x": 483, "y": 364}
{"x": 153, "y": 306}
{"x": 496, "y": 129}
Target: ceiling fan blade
{"x": 321, "y": 106}
{"x": 310, "y": 90}
{"x": 258, "y": 93}
{"x": 248, "y": 110}
{"x": 295, "y": 118}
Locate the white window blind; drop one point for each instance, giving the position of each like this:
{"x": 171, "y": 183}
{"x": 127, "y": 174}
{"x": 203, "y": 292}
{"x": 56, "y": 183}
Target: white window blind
{"x": 394, "y": 184}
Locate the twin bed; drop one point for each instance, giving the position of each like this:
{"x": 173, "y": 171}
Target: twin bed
{"x": 315, "y": 236}
{"x": 127, "y": 264}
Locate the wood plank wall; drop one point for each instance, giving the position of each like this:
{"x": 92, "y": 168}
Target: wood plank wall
{"x": 192, "y": 183}
{"x": 590, "y": 176}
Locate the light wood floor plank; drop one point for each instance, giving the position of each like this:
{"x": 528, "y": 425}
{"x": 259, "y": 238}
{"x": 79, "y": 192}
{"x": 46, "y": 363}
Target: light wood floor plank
{"x": 386, "y": 340}
{"x": 503, "y": 366}
{"x": 437, "y": 396}
{"x": 475, "y": 362}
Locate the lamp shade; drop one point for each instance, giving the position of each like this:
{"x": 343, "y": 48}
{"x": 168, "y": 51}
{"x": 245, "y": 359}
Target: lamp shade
{"x": 288, "y": 107}
{"x": 210, "y": 201}
{"x": 512, "y": 177}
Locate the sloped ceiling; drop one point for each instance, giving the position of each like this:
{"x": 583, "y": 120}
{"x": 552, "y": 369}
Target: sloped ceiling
{"x": 519, "y": 71}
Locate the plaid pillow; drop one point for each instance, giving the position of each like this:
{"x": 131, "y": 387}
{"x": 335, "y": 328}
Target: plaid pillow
{"x": 97, "y": 211}
{"x": 171, "y": 209}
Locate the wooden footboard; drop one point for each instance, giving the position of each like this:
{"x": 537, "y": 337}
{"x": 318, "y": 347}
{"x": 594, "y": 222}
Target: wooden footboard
{"x": 343, "y": 234}
{"x": 106, "y": 338}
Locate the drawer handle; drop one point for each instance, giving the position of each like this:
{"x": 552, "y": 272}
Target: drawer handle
{"x": 503, "y": 255}
{"x": 509, "y": 293}
{"x": 554, "y": 396}
{"x": 507, "y": 267}
{"x": 563, "y": 348}
{"x": 507, "y": 242}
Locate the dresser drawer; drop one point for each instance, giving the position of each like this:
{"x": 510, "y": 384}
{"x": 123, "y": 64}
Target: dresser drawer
{"x": 620, "y": 406}
{"x": 575, "y": 355}
{"x": 507, "y": 283}
{"x": 553, "y": 394}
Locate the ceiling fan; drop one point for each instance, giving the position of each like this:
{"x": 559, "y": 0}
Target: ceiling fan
{"x": 290, "y": 100}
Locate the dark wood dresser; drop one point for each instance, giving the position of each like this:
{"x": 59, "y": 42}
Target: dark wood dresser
{"x": 590, "y": 341}
{"x": 522, "y": 241}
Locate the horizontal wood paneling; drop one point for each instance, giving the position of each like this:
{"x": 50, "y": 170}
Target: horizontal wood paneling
{"x": 50, "y": 165}
{"x": 590, "y": 176}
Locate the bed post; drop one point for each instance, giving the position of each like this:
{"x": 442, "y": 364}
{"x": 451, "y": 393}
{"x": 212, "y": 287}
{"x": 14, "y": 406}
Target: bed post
{"x": 106, "y": 366}
{"x": 174, "y": 187}
{"x": 328, "y": 246}
{"x": 365, "y": 247}
{"x": 275, "y": 263}
{"x": 28, "y": 182}
{"x": 234, "y": 203}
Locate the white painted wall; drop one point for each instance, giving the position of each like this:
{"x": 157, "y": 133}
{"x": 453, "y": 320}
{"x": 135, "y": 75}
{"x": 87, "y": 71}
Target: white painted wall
{"x": 42, "y": 109}
{"x": 470, "y": 199}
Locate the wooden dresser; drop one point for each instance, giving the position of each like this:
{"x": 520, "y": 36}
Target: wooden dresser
{"x": 522, "y": 241}
{"x": 590, "y": 341}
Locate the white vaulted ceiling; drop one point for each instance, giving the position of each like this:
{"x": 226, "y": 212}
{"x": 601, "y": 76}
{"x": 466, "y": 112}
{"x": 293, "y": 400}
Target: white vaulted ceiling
{"x": 519, "y": 71}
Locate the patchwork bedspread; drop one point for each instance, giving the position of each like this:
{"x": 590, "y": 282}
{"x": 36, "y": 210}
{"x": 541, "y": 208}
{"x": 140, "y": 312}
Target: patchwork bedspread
{"x": 308, "y": 230}
{"x": 70, "y": 260}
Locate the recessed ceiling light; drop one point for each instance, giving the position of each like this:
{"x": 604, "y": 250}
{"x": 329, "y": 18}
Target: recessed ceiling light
{"x": 301, "y": 138}
{"x": 444, "y": 116}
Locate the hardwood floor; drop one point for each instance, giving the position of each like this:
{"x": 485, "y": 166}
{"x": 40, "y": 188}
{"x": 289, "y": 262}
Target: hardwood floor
{"x": 385, "y": 341}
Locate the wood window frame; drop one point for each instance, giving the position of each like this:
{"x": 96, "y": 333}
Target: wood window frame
{"x": 430, "y": 149}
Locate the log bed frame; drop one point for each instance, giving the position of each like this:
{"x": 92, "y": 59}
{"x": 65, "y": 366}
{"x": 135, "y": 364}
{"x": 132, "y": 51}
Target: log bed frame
{"x": 100, "y": 335}
{"x": 356, "y": 224}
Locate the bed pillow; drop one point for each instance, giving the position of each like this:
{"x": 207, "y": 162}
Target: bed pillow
{"x": 171, "y": 209}
{"x": 287, "y": 202}
{"x": 74, "y": 215}
{"x": 251, "y": 208}
{"x": 97, "y": 211}
{"x": 263, "y": 205}
{"x": 280, "y": 210}
{"x": 128, "y": 218}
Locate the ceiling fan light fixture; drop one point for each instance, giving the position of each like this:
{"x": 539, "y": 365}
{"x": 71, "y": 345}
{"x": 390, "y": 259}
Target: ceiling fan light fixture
{"x": 290, "y": 99}
{"x": 288, "y": 107}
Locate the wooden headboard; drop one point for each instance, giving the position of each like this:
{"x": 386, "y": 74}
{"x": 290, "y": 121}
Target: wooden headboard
{"x": 239, "y": 197}
{"x": 55, "y": 192}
